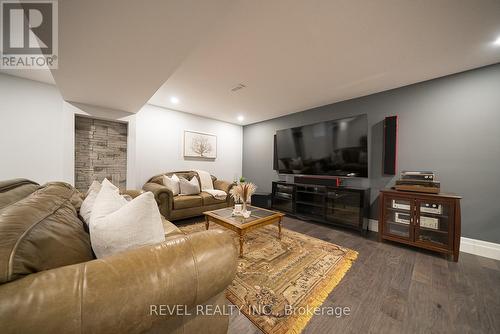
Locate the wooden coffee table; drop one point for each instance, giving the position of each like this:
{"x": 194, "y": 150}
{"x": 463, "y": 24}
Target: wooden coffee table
{"x": 259, "y": 217}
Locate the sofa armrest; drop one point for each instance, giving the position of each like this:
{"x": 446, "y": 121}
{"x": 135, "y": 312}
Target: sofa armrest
{"x": 164, "y": 197}
{"x": 226, "y": 187}
{"x": 223, "y": 185}
{"x": 118, "y": 294}
{"x": 132, "y": 192}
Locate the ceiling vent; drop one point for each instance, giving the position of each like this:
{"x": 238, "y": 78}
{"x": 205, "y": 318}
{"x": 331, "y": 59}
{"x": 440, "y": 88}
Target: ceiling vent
{"x": 238, "y": 87}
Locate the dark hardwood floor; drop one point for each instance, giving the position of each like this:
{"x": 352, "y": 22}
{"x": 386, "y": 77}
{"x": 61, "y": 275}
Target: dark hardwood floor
{"x": 397, "y": 289}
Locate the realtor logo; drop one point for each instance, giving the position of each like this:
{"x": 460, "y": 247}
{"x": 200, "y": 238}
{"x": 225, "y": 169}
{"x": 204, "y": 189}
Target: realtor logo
{"x": 29, "y": 34}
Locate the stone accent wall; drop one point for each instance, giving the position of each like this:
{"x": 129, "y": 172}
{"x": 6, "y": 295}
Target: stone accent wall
{"x": 100, "y": 152}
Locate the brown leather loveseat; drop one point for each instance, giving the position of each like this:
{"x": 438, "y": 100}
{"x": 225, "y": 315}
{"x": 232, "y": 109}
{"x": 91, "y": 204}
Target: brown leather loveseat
{"x": 50, "y": 281}
{"x": 180, "y": 207}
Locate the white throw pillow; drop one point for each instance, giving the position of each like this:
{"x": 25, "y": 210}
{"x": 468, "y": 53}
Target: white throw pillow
{"x": 189, "y": 187}
{"x": 172, "y": 183}
{"x": 117, "y": 225}
{"x": 88, "y": 202}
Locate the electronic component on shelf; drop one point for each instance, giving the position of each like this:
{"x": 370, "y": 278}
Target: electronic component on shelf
{"x": 431, "y": 208}
{"x": 402, "y": 205}
{"x": 409, "y": 182}
{"x": 403, "y": 218}
{"x": 418, "y": 186}
{"x": 417, "y": 175}
{"x": 416, "y": 181}
{"x": 429, "y": 222}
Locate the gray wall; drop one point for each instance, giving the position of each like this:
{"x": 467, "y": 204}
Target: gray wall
{"x": 450, "y": 125}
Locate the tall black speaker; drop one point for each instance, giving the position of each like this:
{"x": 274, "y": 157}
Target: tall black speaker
{"x": 390, "y": 145}
{"x": 275, "y": 154}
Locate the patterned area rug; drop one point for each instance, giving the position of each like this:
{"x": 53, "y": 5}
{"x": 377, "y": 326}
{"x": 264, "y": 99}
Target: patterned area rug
{"x": 279, "y": 283}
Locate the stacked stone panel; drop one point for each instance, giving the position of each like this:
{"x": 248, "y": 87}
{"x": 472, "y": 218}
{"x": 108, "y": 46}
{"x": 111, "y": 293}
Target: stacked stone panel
{"x": 100, "y": 152}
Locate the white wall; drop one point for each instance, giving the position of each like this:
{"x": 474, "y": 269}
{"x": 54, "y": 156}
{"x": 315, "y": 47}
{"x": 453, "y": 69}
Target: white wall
{"x": 37, "y": 136}
{"x": 31, "y": 136}
{"x": 159, "y": 140}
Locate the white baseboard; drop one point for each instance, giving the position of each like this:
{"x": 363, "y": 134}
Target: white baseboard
{"x": 480, "y": 247}
{"x": 373, "y": 225}
{"x": 472, "y": 246}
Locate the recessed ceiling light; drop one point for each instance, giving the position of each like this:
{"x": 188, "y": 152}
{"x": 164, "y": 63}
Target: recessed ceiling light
{"x": 241, "y": 118}
{"x": 174, "y": 100}
{"x": 497, "y": 41}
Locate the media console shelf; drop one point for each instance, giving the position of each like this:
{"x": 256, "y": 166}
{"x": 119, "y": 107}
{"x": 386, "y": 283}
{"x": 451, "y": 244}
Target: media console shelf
{"x": 342, "y": 206}
{"x": 430, "y": 221}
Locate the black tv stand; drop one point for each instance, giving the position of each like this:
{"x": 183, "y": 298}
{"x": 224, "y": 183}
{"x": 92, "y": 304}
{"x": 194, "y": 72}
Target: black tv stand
{"x": 335, "y": 205}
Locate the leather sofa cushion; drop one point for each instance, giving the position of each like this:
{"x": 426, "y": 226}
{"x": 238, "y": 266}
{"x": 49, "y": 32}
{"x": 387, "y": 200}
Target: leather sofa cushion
{"x": 184, "y": 202}
{"x": 209, "y": 199}
{"x": 12, "y": 191}
{"x": 41, "y": 231}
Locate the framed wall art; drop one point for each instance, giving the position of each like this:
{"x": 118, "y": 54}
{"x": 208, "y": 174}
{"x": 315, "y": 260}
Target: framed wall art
{"x": 200, "y": 145}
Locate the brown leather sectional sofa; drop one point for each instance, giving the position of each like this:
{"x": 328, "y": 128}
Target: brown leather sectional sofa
{"x": 180, "y": 207}
{"x": 50, "y": 281}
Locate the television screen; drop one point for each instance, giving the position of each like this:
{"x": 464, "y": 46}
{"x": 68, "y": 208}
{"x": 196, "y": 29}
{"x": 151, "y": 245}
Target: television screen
{"x": 338, "y": 148}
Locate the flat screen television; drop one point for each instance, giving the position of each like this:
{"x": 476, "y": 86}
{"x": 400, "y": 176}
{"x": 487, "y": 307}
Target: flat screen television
{"x": 337, "y": 148}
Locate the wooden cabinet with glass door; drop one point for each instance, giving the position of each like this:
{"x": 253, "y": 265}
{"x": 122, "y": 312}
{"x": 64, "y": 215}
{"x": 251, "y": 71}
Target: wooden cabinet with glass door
{"x": 430, "y": 221}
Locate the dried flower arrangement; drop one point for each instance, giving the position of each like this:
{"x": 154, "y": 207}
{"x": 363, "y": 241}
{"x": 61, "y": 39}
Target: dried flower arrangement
{"x": 242, "y": 192}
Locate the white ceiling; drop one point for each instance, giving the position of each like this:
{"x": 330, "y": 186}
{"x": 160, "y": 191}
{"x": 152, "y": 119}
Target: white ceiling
{"x": 294, "y": 55}
{"x": 116, "y": 53}
{"x": 290, "y": 54}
